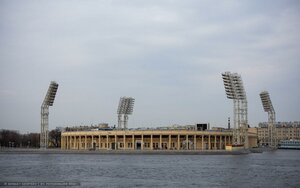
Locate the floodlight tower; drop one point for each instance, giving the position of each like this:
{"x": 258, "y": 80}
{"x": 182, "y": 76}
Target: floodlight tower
{"x": 125, "y": 108}
{"x": 235, "y": 90}
{"x": 268, "y": 107}
{"x": 48, "y": 101}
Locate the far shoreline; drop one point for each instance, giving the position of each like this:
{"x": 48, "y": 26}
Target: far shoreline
{"x": 125, "y": 152}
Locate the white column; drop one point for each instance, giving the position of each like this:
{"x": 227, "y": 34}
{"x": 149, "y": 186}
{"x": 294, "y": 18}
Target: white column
{"x": 178, "y": 142}
{"x": 215, "y": 145}
{"x": 220, "y": 141}
{"x": 67, "y": 142}
{"x": 133, "y": 146}
{"x": 187, "y": 141}
{"x": 160, "y": 141}
{"x": 124, "y": 141}
{"x": 116, "y": 144}
{"x": 151, "y": 142}
{"x": 195, "y": 142}
{"x": 142, "y": 144}
{"x": 202, "y": 142}
{"x": 107, "y": 142}
{"x": 99, "y": 142}
{"x": 80, "y": 144}
{"x": 169, "y": 145}
{"x": 93, "y": 142}
{"x": 85, "y": 144}
{"x": 208, "y": 142}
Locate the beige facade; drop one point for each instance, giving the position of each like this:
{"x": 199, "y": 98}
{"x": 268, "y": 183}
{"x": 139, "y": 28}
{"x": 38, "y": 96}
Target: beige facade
{"x": 233, "y": 147}
{"x": 281, "y": 133}
{"x": 149, "y": 140}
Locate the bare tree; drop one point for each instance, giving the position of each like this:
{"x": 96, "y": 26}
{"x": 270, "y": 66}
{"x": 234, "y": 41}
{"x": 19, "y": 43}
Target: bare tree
{"x": 11, "y": 138}
{"x": 54, "y": 137}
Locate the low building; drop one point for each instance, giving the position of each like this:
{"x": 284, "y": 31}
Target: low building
{"x": 150, "y": 139}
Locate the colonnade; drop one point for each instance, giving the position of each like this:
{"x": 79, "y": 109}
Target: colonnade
{"x": 159, "y": 141}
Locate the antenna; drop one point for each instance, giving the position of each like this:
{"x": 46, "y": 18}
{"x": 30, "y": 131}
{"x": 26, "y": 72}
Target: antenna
{"x": 228, "y": 123}
{"x": 48, "y": 101}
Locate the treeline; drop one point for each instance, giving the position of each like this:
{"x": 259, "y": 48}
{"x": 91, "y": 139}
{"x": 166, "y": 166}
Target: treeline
{"x": 11, "y": 138}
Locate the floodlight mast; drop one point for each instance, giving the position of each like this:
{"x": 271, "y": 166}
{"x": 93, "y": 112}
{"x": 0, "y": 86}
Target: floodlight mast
{"x": 48, "y": 101}
{"x": 268, "y": 107}
{"x": 125, "y": 108}
{"x": 235, "y": 90}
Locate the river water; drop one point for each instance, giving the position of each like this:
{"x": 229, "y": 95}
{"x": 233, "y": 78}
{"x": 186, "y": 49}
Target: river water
{"x": 279, "y": 168}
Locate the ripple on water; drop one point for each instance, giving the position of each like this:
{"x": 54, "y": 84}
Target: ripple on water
{"x": 280, "y": 169}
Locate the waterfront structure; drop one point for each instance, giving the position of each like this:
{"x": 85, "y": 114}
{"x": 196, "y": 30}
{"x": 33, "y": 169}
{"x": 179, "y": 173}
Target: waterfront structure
{"x": 289, "y": 144}
{"x": 234, "y": 89}
{"x": 48, "y": 101}
{"x": 284, "y": 131}
{"x": 268, "y": 107}
{"x": 125, "y": 108}
{"x": 150, "y": 139}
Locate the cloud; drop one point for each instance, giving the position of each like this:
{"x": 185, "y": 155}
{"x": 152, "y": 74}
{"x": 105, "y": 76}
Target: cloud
{"x": 6, "y": 93}
{"x": 169, "y": 55}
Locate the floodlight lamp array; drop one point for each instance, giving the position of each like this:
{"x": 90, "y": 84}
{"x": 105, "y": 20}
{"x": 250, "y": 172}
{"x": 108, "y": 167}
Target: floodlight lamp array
{"x": 228, "y": 85}
{"x": 51, "y": 93}
{"x": 239, "y": 87}
{"x": 233, "y": 86}
{"x": 126, "y": 105}
{"x": 266, "y": 101}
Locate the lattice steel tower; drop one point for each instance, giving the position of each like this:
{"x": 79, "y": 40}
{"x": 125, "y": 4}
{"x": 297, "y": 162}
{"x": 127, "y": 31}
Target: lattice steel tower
{"x": 125, "y": 108}
{"x": 48, "y": 101}
{"x": 268, "y": 107}
{"x": 235, "y": 90}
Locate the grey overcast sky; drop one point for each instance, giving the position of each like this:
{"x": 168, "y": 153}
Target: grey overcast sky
{"x": 168, "y": 55}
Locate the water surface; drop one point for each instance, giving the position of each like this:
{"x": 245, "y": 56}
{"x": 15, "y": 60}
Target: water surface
{"x": 279, "y": 168}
